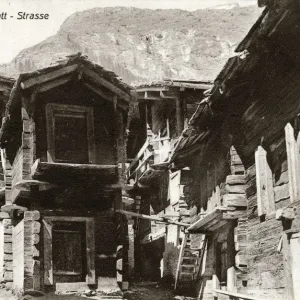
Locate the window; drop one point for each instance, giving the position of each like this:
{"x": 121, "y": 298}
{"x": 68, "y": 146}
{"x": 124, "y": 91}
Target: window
{"x": 70, "y": 134}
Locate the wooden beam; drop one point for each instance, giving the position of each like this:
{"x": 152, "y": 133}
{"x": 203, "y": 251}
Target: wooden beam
{"x": 25, "y": 185}
{"x": 48, "y": 262}
{"x": 179, "y": 116}
{"x": 96, "y": 78}
{"x": 90, "y": 251}
{"x": 152, "y": 89}
{"x": 53, "y": 84}
{"x": 236, "y": 295}
{"x": 264, "y": 183}
{"x": 104, "y": 95}
{"x": 48, "y": 76}
{"x": 213, "y": 218}
{"x": 152, "y": 218}
{"x": 293, "y": 162}
{"x": 99, "y": 92}
{"x": 164, "y": 95}
{"x": 40, "y": 168}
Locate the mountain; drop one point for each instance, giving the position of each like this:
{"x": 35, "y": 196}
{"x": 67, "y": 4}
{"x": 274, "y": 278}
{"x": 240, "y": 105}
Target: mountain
{"x": 143, "y": 45}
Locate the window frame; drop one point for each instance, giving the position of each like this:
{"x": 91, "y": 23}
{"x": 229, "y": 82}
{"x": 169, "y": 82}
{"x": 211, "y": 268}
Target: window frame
{"x": 63, "y": 109}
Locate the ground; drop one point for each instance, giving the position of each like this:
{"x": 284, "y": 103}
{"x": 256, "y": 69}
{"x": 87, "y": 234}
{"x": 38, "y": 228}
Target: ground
{"x": 149, "y": 291}
{"x": 6, "y": 295}
{"x": 139, "y": 291}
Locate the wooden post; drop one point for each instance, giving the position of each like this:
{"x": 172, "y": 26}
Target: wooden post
{"x": 287, "y": 259}
{"x": 264, "y": 183}
{"x": 231, "y": 286}
{"x": 90, "y": 251}
{"x": 293, "y": 163}
{"x": 216, "y": 285}
{"x": 179, "y": 115}
{"x": 48, "y": 262}
{"x": 295, "y": 253}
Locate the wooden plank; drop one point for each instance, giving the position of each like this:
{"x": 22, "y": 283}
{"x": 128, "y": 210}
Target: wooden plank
{"x": 179, "y": 116}
{"x": 63, "y": 170}
{"x": 235, "y": 189}
{"x": 237, "y": 200}
{"x": 152, "y": 218}
{"x": 235, "y": 179}
{"x": 206, "y": 220}
{"x": 67, "y": 219}
{"x": 96, "y": 78}
{"x": 183, "y": 244}
{"x": 264, "y": 183}
{"x": 215, "y": 284}
{"x": 235, "y": 295}
{"x": 293, "y": 162}
{"x": 90, "y": 251}
{"x": 48, "y": 77}
{"x": 48, "y": 262}
{"x": 105, "y": 95}
{"x": 53, "y": 84}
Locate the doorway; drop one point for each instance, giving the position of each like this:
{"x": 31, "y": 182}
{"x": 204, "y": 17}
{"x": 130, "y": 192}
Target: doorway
{"x": 69, "y": 252}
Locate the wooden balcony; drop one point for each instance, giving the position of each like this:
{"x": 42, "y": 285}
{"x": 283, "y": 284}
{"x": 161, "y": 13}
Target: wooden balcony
{"x": 152, "y": 158}
{"x": 222, "y": 207}
{"x": 60, "y": 173}
{"x": 215, "y": 219}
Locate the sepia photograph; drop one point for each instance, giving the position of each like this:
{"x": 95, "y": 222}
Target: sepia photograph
{"x": 150, "y": 150}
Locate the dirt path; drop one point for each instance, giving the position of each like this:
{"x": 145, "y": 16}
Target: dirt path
{"x": 149, "y": 291}
{"x": 138, "y": 291}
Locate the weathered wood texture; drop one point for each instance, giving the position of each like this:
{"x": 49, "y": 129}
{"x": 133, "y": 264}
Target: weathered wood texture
{"x": 60, "y": 172}
{"x": 292, "y": 150}
{"x": 102, "y": 150}
{"x": 54, "y": 261}
{"x": 18, "y": 255}
{"x": 264, "y": 183}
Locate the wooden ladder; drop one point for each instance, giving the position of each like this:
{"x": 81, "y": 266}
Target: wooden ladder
{"x": 189, "y": 262}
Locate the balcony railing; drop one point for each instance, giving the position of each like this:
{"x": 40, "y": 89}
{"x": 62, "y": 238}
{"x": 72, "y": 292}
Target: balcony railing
{"x": 153, "y": 153}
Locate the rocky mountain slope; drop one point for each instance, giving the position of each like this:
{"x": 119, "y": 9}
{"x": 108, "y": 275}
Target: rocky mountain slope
{"x": 143, "y": 45}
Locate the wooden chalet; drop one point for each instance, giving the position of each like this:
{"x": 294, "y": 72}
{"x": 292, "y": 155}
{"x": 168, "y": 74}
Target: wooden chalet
{"x": 242, "y": 149}
{"x": 164, "y": 111}
{"x": 63, "y": 141}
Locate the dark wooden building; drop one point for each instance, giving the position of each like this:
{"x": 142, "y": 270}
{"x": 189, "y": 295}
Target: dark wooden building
{"x": 245, "y": 166}
{"x": 164, "y": 111}
{"x": 63, "y": 141}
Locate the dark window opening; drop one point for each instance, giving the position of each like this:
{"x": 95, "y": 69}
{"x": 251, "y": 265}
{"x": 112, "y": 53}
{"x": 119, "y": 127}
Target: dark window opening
{"x": 70, "y": 139}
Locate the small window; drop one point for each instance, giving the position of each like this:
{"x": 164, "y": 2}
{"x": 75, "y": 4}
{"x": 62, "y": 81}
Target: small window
{"x": 70, "y": 131}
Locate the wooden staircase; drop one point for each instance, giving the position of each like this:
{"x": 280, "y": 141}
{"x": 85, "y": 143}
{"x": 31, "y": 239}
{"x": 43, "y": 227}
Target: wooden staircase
{"x": 189, "y": 263}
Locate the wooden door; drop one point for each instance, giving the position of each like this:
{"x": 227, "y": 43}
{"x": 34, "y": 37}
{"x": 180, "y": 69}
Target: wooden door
{"x": 69, "y": 252}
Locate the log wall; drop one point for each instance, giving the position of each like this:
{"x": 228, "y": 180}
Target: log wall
{"x": 265, "y": 266}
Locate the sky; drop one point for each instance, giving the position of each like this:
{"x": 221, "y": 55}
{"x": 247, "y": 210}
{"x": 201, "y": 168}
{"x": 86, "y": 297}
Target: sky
{"x": 19, "y": 34}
